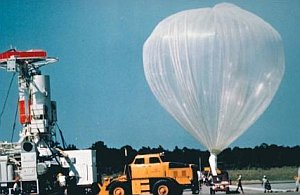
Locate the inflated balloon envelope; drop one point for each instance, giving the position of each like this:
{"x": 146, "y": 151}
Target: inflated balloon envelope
{"x": 215, "y": 70}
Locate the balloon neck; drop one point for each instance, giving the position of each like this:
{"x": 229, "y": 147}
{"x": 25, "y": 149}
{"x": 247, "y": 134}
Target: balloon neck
{"x": 215, "y": 152}
{"x": 213, "y": 163}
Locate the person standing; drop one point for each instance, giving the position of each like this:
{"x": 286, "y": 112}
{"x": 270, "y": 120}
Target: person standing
{"x": 297, "y": 183}
{"x": 297, "y": 180}
{"x": 62, "y": 183}
{"x": 266, "y": 184}
{"x": 239, "y": 182}
{"x": 16, "y": 186}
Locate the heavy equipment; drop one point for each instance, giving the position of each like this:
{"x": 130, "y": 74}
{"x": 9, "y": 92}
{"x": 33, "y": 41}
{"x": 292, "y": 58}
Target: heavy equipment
{"x": 37, "y": 164}
{"x": 148, "y": 173}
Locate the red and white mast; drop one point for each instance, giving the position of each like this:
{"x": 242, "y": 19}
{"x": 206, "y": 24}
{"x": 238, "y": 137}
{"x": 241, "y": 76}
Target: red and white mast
{"x": 37, "y": 113}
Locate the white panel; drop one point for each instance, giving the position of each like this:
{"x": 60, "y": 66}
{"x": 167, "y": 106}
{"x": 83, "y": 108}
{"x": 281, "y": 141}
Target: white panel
{"x": 28, "y": 159}
{"x": 29, "y": 173}
{"x": 3, "y": 171}
{"x": 83, "y": 165}
{"x": 11, "y": 65}
{"x": 39, "y": 126}
{"x": 40, "y": 89}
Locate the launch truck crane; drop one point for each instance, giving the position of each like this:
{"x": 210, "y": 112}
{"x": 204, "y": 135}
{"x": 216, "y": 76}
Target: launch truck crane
{"x": 36, "y": 161}
{"x": 39, "y": 166}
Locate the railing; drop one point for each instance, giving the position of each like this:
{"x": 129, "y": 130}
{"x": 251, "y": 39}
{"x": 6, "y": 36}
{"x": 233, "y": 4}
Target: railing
{"x": 9, "y": 148}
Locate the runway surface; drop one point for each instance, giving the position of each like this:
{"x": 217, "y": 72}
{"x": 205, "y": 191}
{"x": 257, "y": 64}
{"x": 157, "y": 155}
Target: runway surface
{"x": 286, "y": 188}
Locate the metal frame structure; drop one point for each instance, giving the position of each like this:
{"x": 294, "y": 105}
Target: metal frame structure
{"x": 36, "y": 163}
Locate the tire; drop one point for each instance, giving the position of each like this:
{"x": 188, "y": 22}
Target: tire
{"x": 118, "y": 188}
{"x": 227, "y": 190}
{"x": 212, "y": 191}
{"x": 95, "y": 188}
{"x": 164, "y": 187}
{"x": 195, "y": 189}
{"x": 179, "y": 190}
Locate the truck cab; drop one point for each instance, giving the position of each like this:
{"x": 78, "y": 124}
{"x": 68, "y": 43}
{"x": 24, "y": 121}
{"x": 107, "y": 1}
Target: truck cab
{"x": 150, "y": 165}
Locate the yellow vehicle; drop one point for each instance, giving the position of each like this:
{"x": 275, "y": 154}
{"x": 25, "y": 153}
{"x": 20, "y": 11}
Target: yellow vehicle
{"x": 149, "y": 174}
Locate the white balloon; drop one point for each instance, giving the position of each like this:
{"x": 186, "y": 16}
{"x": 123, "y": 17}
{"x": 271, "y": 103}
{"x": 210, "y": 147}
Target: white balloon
{"x": 215, "y": 70}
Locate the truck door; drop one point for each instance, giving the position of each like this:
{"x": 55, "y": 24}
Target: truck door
{"x": 138, "y": 169}
{"x": 155, "y": 167}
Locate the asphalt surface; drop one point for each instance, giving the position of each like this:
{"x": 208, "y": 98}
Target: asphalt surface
{"x": 286, "y": 188}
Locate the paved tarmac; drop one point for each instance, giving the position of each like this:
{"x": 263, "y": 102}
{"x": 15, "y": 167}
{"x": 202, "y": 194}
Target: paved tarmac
{"x": 286, "y": 188}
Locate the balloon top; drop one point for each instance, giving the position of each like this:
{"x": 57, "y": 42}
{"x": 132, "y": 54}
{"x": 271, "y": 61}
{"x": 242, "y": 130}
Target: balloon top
{"x": 225, "y": 5}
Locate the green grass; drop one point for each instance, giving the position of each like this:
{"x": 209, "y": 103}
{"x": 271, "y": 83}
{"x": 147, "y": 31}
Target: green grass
{"x": 273, "y": 174}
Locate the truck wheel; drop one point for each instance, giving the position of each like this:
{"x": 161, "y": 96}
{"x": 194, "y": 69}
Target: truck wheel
{"x": 163, "y": 187}
{"x": 227, "y": 190}
{"x": 195, "y": 191}
{"x": 95, "y": 188}
{"x": 118, "y": 188}
{"x": 212, "y": 191}
{"x": 179, "y": 190}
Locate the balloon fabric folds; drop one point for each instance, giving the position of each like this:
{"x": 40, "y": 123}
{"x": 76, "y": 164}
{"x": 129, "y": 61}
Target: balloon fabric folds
{"x": 215, "y": 70}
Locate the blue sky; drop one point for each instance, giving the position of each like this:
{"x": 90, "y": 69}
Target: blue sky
{"x": 99, "y": 83}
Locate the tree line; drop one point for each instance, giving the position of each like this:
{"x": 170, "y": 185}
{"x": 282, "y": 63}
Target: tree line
{"x": 112, "y": 160}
